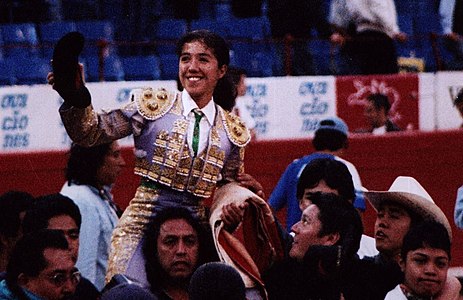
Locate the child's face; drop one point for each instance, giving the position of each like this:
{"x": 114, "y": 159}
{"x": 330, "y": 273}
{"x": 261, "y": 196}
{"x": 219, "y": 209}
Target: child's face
{"x": 425, "y": 271}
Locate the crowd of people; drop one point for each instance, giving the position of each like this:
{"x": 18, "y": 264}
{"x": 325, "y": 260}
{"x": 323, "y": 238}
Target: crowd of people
{"x": 367, "y": 34}
{"x": 168, "y": 244}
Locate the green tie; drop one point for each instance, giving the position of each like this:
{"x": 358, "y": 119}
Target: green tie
{"x": 198, "y": 116}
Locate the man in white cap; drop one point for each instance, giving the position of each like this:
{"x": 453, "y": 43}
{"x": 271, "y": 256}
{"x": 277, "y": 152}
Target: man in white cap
{"x": 404, "y": 205}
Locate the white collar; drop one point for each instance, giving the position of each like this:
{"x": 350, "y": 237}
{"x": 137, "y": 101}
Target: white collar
{"x": 209, "y": 110}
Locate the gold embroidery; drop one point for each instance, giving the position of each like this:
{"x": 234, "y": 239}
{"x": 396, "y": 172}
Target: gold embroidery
{"x": 235, "y": 129}
{"x": 153, "y": 105}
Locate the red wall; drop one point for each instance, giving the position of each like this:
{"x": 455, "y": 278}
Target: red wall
{"x": 435, "y": 159}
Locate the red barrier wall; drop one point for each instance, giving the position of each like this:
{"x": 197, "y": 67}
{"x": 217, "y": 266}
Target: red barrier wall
{"x": 435, "y": 159}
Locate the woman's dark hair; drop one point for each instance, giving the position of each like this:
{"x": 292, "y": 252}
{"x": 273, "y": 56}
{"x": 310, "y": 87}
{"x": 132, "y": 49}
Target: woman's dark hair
{"x": 83, "y": 163}
{"x": 225, "y": 90}
{"x": 206, "y": 253}
{"x": 333, "y": 172}
{"x": 27, "y": 257}
{"x": 213, "y": 41}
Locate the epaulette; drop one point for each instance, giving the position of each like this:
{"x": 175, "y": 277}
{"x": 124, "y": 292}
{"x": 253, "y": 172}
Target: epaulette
{"x": 154, "y": 104}
{"x": 236, "y": 131}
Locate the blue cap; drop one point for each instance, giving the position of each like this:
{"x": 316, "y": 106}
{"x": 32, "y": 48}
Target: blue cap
{"x": 333, "y": 123}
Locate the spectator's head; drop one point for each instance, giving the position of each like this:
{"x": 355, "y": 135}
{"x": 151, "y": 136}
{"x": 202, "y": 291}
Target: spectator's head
{"x": 425, "y": 258}
{"x": 57, "y": 212}
{"x": 331, "y": 134}
{"x": 324, "y": 175}
{"x": 458, "y": 102}
{"x": 238, "y": 76}
{"x": 377, "y": 110}
{"x": 13, "y": 205}
{"x": 404, "y": 205}
{"x": 127, "y": 291}
{"x": 216, "y": 280}
{"x": 174, "y": 247}
{"x": 97, "y": 166}
{"x": 203, "y": 61}
{"x": 42, "y": 263}
{"x": 328, "y": 221}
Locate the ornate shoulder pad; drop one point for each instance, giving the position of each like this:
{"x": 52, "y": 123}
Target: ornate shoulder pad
{"x": 154, "y": 104}
{"x": 237, "y": 132}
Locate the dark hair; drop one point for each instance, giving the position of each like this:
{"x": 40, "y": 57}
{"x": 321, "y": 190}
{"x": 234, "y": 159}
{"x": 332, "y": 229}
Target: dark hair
{"x": 329, "y": 139}
{"x": 236, "y": 73}
{"x": 213, "y": 41}
{"x": 225, "y": 91}
{"x": 12, "y": 203}
{"x": 84, "y": 162}
{"x": 154, "y": 271}
{"x": 426, "y": 234}
{"x": 459, "y": 98}
{"x": 28, "y": 258}
{"x": 337, "y": 215}
{"x": 216, "y": 280}
{"x": 380, "y": 101}
{"x": 47, "y": 207}
{"x": 333, "y": 172}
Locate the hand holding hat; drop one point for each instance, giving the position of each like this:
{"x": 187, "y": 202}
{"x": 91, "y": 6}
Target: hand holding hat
{"x": 67, "y": 75}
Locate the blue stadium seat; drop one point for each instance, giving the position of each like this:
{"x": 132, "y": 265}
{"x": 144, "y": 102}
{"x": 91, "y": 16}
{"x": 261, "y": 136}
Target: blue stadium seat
{"x": 256, "y": 64}
{"x": 96, "y": 32}
{"x": 113, "y": 69}
{"x": 51, "y": 32}
{"x": 7, "y": 76}
{"x": 253, "y": 29}
{"x": 20, "y": 39}
{"x": 169, "y": 66}
{"x": 29, "y": 71}
{"x": 211, "y": 24}
{"x": 167, "y": 32}
{"x": 147, "y": 67}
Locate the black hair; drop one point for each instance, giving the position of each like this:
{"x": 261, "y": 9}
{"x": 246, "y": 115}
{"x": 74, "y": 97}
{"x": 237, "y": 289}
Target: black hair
{"x": 426, "y": 234}
{"x": 329, "y": 139}
{"x": 337, "y": 215}
{"x": 12, "y": 203}
{"x": 47, "y": 207}
{"x": 236, "y": 73}
{"x": 333, "y": 172}
{"x": 84, "y": 162}
{"x": 380, "y": 101}
{"x": 213, "y": 41}
{"x": 154, "y": 271}
{"x": 459, "y": 98}
{"x": 225, "y": 90}
{"x": 28, "y": 258}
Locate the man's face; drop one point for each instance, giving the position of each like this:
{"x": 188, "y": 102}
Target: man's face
{"x": 199, "y": 71}
{"x": 112, "y": 165}
{"x": 241, "y": 87}
{"x": 425, "y": 271}
{"x": 178, "y": 248}
{"x": 373, "y": 115}
{"x": 68, "y": 226}
{"x": 392, "y": 223}
{"x": 307, "y": 233}
{"x": 56, "y": 281}
{"x": 321, "y": 187}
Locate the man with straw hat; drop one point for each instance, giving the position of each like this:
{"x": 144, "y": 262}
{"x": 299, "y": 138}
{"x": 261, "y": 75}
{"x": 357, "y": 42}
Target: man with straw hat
{"x": 403, "y": 206}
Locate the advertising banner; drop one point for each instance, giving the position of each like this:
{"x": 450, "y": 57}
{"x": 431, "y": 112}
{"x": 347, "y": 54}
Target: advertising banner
{"x": 402, "y": 91}
{"x": 448, "y": 84}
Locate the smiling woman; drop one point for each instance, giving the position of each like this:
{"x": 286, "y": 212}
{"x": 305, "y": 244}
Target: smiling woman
{"x": 181, "y": 158}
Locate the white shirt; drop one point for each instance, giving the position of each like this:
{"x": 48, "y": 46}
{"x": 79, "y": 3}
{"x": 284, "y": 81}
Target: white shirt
{"x": 380, "y": 130}
{"x": 205, "y": 124}
{"x": 395, "y": 294}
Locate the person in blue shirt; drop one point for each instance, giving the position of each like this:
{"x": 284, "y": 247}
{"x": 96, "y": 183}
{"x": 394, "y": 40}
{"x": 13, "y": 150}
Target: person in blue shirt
{"x": 330, "y": 140}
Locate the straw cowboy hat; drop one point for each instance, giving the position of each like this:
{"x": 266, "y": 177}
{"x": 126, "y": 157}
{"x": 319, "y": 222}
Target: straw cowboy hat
{"x": 408, "y": 192}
